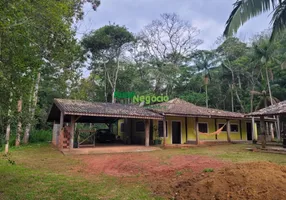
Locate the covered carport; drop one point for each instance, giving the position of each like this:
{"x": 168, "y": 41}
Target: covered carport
{"x": 278, "y": 110}
{"x": 77, "y": 111}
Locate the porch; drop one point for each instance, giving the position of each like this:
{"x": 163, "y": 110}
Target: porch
{"x": 109, "y": 149}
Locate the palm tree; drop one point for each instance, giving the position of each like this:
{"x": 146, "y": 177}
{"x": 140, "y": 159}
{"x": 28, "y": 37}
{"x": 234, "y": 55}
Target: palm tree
{"x": 246, "y": 9}
{"x": 264, "y": 99}
{"x": 205, "y": 61}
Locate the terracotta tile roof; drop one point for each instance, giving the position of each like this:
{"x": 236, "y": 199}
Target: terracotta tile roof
{"x": 85, "y": 108}
{"x": 276, "y": 109}
{"x": 180, "y": 107}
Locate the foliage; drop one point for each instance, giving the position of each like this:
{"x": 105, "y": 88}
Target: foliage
{"x": 246, "y": 9}
{"x": 38, "y": 136}
{"x": 208, "y": 170}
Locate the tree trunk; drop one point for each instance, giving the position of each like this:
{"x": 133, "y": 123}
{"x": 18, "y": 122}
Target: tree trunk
{"x": 8, "y": 129}
{"x": 231, "y": 94}
{"x": 269, "y": 87}
{"x": 207, "y": 101}
{"x": 105, "y": 84}
{"x": 19, "y": 125}
{"x": 239, "y": 100}
{"x": 32, "y": 109}
{"x": 251, "y": 100}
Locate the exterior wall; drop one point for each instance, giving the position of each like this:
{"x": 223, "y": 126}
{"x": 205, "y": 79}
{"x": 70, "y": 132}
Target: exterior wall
{"x": 120, "y": 133}
{"x": 136, "y": 137}
{"x": 191, "y": 134}
{"x": 139, "y": 137}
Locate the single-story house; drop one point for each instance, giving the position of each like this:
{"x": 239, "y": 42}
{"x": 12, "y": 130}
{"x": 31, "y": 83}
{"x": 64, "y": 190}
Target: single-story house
{"x": 184, "y": 122}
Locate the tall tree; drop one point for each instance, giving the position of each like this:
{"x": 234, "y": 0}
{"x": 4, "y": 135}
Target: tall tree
{"x": 168, "y": 41}
{"x": 108, "y": 46}
{"x": 205, "y": 61}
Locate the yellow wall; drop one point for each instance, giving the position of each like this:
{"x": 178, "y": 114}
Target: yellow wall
{"x": 211, "y": 128}
{"x": 191, "y": 135}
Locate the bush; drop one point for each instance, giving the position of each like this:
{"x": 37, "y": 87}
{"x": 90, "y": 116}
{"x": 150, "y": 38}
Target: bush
{"x": 208, "y": 170}
{"x": 37, "y": 136}
{"x": 11, "y": 141}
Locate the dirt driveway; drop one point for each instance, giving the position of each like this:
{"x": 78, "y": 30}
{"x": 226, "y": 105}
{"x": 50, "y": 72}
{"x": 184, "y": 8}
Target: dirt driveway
{"x": 180, "y": 176}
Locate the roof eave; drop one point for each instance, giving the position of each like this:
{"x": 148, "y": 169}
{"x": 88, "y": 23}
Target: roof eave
{"x": 117, "y": 115}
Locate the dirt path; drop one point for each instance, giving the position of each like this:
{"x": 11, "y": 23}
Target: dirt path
{"x": 255, "y": 181}
{"x": 182, "y": 176}
{"x": 145, "y": 164}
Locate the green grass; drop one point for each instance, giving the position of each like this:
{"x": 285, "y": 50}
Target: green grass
{"x": 208, "y": 170}
{"x": 41, "y": 172}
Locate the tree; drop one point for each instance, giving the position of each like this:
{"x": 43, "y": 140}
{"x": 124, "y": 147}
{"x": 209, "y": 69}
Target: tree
{"x": 168, "y": 41}
{"x": 34, "y": 35}
{"x": 108, "y": 46}
{"x": 204, "y": 61}
{"x": 246, "y": 9}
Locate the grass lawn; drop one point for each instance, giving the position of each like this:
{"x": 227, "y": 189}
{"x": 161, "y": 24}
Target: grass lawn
{"x": 41, "y": 172}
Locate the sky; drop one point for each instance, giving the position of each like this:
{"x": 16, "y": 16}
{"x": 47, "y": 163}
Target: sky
{"x": 209, "y": 16}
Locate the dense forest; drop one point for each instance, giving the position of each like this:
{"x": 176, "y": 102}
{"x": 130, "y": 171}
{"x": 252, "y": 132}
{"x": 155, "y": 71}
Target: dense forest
{"x": 41, "y": 59}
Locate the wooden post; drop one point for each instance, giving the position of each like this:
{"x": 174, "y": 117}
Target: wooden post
{"x": 215, "y": 128}
{"x": 228, "y": 130}
{"x": 272, "y": 131}
{"x": 262, "y": 131}
{"x": 147, "y": 132}
{"x": 278, "y": 128}
{"x": 60, "y": 129}
{"x": 253, "y": 129}
{"x": 72, "y": 131}
{"x": 164, "y": 131}
{"x": 186, "y": 127}
{"x": 240, "y": 130}
{"x": 197, "y": 132}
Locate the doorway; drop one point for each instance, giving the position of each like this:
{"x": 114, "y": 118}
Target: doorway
{"x": 176, "y": 132}
{"x": 249, "y": 131}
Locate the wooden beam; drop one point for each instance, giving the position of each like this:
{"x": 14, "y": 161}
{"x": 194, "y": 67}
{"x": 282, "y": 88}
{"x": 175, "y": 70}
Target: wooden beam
{"x": 147, "y": 132}
{"x": 253, "y": 129}
{"x": 215, "y": 127}
{"x": 272, "y": 131}
{"x": 262, "y": 131}
{"x": 60, "y": 128}
{"x": 228, "y": 130}
{"x": 186, "y": 127}
{"x": 72, "y": 131}
{"x": 197, "y": 131}
{"x": 240, "y": 130}
{"x": 164, "y": 131}
{"x": 77, "y": 118}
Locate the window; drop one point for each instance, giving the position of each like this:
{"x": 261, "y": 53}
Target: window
{"x": 233, "y": 128}
{"x": 140, "y": 126}
{"x": 161, "y": 130}
{"x": 221, "y": 125}
{"x": 122, "y": 128}
{"x": 203, "y": 127}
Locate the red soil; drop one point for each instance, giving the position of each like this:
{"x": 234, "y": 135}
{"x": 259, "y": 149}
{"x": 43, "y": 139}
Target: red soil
{"x": 182, "y": 176}
{"x": 253, "y": 181}
{"x": 146, "y": 164}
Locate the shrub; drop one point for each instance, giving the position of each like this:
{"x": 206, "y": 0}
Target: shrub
{"x": 208, "y": 170}
{"x": 37, "y": 136}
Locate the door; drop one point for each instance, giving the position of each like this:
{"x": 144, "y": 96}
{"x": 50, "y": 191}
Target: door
{"x": 249, "y": 131}
{"x": 176, "y": 132}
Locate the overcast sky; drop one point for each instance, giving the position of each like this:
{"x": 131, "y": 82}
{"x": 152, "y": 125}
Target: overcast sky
{"x": 207, "y": 15}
